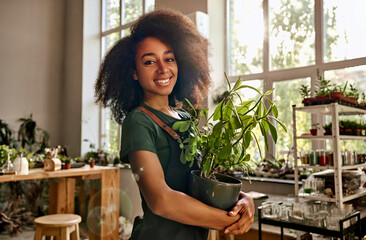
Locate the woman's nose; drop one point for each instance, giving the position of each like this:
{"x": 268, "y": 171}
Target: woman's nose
{"x": 162, "y": 67}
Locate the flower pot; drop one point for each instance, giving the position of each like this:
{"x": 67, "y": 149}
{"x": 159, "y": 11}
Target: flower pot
{"x": 67, "y": 165}
{"x": 308, "y": 101}
{"x": 336, "y": 95}
{"x": 222, "y": 194}
{"x": 322, "y": 98}
{"x": 313, "y": 131}
{"x": 328, "y": 132}
{"x": 348, "y": 131}
{"x": 91, "y": 164}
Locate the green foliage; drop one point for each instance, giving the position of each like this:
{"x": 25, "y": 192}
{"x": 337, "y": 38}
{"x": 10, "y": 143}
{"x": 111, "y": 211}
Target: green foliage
{"x": 305, "y": 91}
{"x": 323, "y": 87}
{"x": 363, "y": 98}
{"x": 352, "y": 92}
{"x": 228, "y": 132}
{"x": 327, "y": 126}
{"x": 31, "y": 137}
{"x": 4, "y": 152}
{"x": 5, "y": 133}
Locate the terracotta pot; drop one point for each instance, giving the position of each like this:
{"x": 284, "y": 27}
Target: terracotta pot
{"x": 348, "y": 131}
{"x": 67, "y": 165}
{"x": 308, "y": 101}
{"x": 328, "y": 132}
{"x": 351, "y": 100}
{"x": 336, "y": 95}
{"x": 322, "y": 98}
{"x": 92, "y": 164}
{"x": 314, "y": 131}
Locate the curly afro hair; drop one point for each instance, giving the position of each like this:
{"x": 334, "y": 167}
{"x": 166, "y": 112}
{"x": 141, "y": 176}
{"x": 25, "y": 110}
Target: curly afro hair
{"x": 115, "y": 86}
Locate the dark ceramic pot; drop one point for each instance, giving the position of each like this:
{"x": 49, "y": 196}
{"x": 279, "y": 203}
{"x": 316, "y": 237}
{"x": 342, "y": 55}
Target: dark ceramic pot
{"x": 222, "y": 194}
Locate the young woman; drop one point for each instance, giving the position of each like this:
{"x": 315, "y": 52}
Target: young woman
{"x": 163, "y": 61}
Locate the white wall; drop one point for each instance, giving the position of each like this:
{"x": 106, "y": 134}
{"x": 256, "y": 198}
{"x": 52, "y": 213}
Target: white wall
{"x": 31, "y": 62}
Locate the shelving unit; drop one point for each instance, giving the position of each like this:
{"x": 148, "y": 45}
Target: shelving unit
{"x": 334, "y": 110}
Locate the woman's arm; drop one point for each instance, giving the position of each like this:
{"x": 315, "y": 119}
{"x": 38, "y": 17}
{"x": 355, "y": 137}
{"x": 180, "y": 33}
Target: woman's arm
{"x": 171, "y": 204}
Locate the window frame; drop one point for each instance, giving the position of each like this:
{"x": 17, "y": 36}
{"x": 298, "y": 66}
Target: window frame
{"x": 104, "y": 114}
{"x": 310, "y": 71}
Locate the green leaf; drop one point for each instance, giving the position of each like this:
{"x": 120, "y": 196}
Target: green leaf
{"x": 237, "y": 84}
{"x": 217, "y": 112}
{"x": 235, "y": 123}
{"x": 177, "y": 125}
{"x": 273, "y": 131}
{"x": 282, "y": 125}
{"x": 185, "y": 126}
{"x": 216, "y": 132}
{"x": 225, "y": 152}
{"x": 269, "y": 92}
{"x": 275, "y": 111}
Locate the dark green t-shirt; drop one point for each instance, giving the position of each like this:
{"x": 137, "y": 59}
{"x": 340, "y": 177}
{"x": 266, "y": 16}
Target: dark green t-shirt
{"x": 140, "y": 132}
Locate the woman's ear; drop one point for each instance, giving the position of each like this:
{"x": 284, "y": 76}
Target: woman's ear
{"x": 134, "y": 75}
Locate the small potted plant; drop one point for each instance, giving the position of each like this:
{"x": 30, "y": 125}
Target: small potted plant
{"x": 91, "y": 162}
{"x": 328, "y": 129}
{"x": 305, "y": 93}
{"x": 67, "y": 162}
{"x": 314, "y": 129}
{"x": 323, "y": 92}
{"x": 352, "y": 95}
{"x": 337, "y": 92}
{"x": 223, "y": 142}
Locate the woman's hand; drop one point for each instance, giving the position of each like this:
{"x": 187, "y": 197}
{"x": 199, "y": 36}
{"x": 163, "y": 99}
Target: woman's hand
{"x": 244, "y": 207}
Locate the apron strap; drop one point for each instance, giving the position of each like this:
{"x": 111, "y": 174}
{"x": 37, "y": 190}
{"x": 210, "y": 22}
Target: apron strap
{"x": 169, "y": 130}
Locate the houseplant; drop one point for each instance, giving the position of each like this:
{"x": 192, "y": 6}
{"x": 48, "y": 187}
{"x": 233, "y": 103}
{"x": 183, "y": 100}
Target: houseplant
{"x": 305, "y": 93}
{"x": 227, "y": 133}
{"x": 323, "y": 91}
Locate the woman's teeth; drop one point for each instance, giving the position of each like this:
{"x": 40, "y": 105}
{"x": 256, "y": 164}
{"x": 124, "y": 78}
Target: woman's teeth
{"x": 163, "y": 81}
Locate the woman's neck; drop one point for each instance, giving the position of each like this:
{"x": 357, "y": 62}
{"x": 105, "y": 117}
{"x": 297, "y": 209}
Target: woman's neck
{"x": 162, "y": 106}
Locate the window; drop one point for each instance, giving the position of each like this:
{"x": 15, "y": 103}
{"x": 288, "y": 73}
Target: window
{"x": 287, "y": 43}
{"x": 117, "y": 17}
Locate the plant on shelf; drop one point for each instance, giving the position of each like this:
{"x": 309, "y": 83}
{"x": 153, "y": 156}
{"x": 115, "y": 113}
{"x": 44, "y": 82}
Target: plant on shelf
{"x": 314, "y": 129}
{"x": 305, "y": 93}
{"x": 226, "y": 135}
{"x": 323, "y": 91}
{"x": 337, "y": 92}
{"x": 328, "y": 128}
{"x": 91, "y": 162}
{"x": 352, "y": 94}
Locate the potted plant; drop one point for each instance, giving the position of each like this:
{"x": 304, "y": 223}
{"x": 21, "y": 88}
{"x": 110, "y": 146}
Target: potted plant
{"x": 91, "y": 162}
{"x": 328, "y": 128}
{"x": 223, "y": 141}
{"x": 5, "y": 133}
{"x": 337, "y": 93}
{"x": 305, "y": 93}
{"x": 67, "y": 161}
{"x": 352, "y": 95}
{"x": 323, "y": 92}
{"x": 314, "y": 129}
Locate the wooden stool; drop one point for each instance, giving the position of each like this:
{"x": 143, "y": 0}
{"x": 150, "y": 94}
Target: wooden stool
{"x": 58, "y": 225}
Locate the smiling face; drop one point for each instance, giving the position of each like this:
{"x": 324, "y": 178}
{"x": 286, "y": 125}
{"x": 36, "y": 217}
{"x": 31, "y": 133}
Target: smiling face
{"x": 156, "y": 68}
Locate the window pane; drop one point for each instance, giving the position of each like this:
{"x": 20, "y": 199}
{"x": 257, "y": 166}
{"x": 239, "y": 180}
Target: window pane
{"x": 111, "y": 14}
{"x": 284, "y": 101}
{"x": 291, "y": 33}
{"x": 150, "y": 5}
{"x": 246, "y": 37}
{"x": 344, "y": 29}
{"x": 109, "y": 132}
{"x": 126, "y": 32}
{"x": 132, "y": 9}
{"x": 246, "y": 95}
{"x": 108, "y": 41}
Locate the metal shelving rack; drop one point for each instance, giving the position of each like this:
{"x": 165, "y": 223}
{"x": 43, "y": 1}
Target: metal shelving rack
{"x": 334, "y": 110}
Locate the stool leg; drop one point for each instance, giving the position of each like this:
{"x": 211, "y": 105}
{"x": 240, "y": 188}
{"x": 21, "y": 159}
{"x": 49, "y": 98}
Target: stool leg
{"x": 75, "y": 235}
{"x": 65, "y": 234}
{"x": 38, "y": 234}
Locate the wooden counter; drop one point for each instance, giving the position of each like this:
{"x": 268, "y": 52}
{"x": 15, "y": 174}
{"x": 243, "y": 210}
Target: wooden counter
{"x": 62, "y": 194}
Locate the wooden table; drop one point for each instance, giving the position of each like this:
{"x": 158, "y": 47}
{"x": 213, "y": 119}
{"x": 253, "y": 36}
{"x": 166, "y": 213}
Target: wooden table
{"x": 62, "y": 193}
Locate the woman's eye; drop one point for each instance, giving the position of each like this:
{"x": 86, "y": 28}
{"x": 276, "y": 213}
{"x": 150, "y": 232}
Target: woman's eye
{"x": 170, "y": 60}
{"x": 148, "y": 62}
